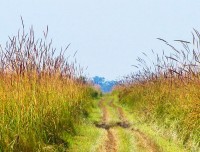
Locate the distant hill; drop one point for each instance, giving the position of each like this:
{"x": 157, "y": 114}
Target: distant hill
{"x": 106, "y": 86}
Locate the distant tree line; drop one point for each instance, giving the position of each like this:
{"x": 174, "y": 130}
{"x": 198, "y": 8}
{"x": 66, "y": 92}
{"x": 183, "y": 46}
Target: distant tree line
{"x": 106, "y": 86}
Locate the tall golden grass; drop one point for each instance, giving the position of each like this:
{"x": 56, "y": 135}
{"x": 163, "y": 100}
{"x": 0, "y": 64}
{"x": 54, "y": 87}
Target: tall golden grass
{"x": 168, "y": 92}
{"x": 42, "y": 96}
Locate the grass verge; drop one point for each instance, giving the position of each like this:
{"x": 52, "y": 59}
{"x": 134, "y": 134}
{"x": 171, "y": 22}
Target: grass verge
{"x": 88, "y": 137}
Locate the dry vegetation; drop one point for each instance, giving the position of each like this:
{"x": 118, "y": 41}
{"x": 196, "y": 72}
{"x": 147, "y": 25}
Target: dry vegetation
{"x": 167, "y": 93}
{"x": 42, "y": 96}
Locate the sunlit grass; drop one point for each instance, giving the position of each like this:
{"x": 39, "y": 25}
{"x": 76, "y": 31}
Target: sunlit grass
{"x": 43, "y": 97}
{"x": 167, "y": 94}
{"x": 89, "y": 137}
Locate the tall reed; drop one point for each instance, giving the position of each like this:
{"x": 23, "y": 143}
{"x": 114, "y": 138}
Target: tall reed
{"x": 42, "y": 95}
{"x": 166, "y": 92}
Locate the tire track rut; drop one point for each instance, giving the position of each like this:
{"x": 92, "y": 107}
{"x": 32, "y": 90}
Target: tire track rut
{"x": 123, "y": 120}
{"x": 110, "y": 144}
{"x": 143, "y": 141}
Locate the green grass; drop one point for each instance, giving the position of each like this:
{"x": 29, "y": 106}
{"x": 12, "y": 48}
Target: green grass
{"x": 166, "y": 145}
{"x": 173, "y": 110}
{"x": 126, "y": 140}
{"x": 153, "y": 131}
{"x": 88, "y": 137}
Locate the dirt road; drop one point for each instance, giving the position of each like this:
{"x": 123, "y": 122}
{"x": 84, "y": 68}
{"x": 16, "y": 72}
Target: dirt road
{"x": 113, "y": 118}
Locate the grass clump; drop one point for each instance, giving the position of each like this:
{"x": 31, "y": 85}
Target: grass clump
{"x": 167, "y": 93}
{"x": 43, "y": 97}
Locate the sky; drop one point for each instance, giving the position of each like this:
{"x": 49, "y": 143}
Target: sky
{"x": 109, "y": 35}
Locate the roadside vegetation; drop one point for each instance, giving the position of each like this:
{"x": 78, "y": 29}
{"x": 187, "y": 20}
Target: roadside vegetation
{"x": 166, "y": 95}
{"x": 43, "y": 96}
{"x": 46, "y": 104}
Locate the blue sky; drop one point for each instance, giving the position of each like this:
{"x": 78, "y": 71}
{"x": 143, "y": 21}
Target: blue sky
{"x": 108, "y": 34}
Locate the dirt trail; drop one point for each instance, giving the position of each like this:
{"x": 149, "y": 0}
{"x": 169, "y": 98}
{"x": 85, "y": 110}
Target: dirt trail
{"x": 105, "y": 111}
{"x": 110, "y": 144}
{"x": 143, "y": 142}
{"x": 123, "y": 121}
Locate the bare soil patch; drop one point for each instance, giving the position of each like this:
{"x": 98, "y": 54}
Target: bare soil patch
{"x": 111, "y": 145}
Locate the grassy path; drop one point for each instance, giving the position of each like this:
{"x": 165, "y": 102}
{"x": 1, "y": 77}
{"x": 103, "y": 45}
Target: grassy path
{"x": 110, "y": 144}
{"x": 114, "y": 129}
